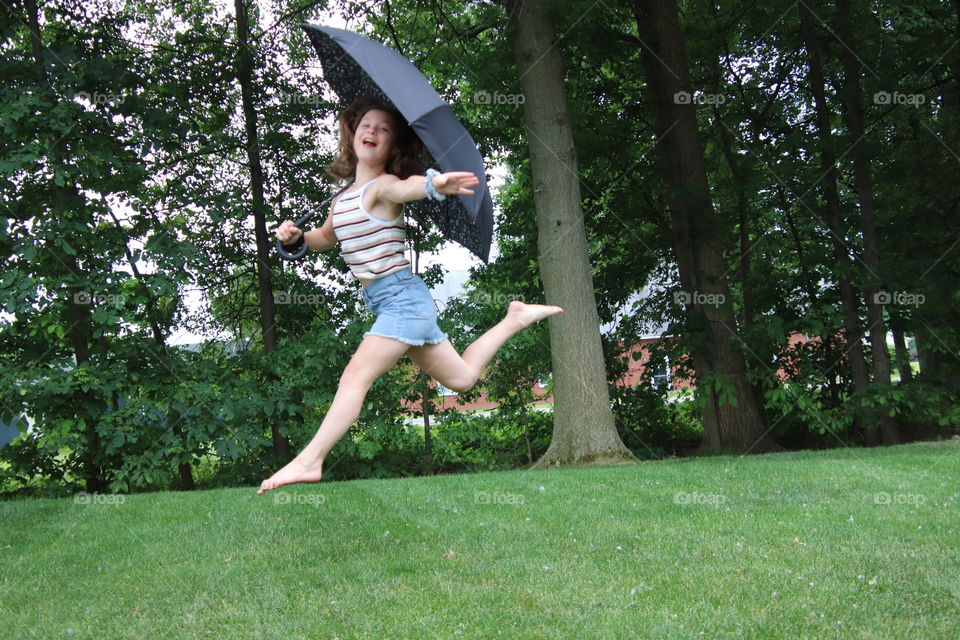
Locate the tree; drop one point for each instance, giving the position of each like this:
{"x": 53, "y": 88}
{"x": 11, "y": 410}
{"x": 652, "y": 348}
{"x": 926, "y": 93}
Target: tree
{"x": 853, "y": 112}
{"x": 584, "y": 429}
{"x": 65, "y": 201}
{"x": 833, "y": 216}
{"x": 264, "y": 261}
{"x": 731, "y": 417}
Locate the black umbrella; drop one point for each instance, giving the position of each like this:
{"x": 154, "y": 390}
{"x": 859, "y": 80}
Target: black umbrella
{"x": 355, "y": 66}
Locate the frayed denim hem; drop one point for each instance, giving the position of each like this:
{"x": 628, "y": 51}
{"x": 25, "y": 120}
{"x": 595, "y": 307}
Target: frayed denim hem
{"x": 412, "y": 343}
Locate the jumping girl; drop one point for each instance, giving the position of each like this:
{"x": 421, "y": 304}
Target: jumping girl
{"x": 378, "y": 155}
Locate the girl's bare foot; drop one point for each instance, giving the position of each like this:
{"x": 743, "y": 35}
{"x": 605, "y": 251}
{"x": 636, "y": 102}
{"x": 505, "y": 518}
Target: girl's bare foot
{"x": 295, "y": 471}
{"x": 527, "y": 314}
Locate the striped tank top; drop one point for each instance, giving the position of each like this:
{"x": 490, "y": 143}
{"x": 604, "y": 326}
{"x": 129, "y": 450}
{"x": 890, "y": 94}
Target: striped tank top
{"x": 372, "y": 247}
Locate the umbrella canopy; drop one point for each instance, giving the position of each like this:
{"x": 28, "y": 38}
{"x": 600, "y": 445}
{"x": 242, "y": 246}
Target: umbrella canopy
{"x": 355, "y": 66}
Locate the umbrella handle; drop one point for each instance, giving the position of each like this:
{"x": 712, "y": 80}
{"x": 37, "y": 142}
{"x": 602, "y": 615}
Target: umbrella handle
{"x": 302, "y": 251}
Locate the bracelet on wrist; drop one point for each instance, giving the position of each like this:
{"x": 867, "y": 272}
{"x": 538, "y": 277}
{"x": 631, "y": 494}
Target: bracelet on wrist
{"x": 429, "y": 188}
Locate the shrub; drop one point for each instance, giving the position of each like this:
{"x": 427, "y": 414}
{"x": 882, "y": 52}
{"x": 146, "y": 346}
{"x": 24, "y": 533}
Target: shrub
{"x": 475, "y": 442}
{"x": 651, "y": 426}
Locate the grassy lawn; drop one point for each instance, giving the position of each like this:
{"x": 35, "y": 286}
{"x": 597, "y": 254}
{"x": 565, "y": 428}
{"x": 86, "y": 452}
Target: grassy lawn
{"x": 847, "y": 543}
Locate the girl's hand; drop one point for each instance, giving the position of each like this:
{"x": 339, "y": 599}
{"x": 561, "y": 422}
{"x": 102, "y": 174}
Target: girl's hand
{"x": 455, "y": 182}
{"x": 287, "y": 233}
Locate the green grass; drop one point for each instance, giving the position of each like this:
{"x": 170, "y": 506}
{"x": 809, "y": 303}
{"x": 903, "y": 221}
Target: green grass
{"x": 847, "y": 543}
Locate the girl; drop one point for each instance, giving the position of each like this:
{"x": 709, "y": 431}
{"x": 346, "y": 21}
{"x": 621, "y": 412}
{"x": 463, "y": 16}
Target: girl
{"x": 379, "y": 155}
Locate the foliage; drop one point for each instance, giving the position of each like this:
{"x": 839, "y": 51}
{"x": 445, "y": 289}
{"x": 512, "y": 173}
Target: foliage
{"x": 498, "y": 441}
{"x": 127, "y": 198}
{"x": 652, "y": 427}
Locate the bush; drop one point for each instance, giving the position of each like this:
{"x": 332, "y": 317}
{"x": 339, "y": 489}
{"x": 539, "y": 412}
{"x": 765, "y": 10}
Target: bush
{"x": 27, "y": 467}
{"x": 376, "y": 448}
{"x": 652, "y": 427}
{"x": 474, "y": 442}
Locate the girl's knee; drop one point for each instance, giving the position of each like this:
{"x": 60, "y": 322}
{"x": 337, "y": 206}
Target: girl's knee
{"x": 461, "y": 384}
{"x": 357, "y": 376}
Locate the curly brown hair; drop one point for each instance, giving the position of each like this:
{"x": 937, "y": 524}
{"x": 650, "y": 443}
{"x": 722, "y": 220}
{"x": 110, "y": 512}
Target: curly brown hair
{"x": 407, "y": 155}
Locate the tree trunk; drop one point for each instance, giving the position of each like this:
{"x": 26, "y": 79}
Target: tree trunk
{"x": 927, "y": 353}
{"x": 889, "y": 429}
{"x": 902, "y": 354}
{"x": 583, "y": 428}
{"x": 851, "y": 317}
{"x": 745, "y": 246}
{"x": 281, "y": 445}
{"x": 736, "y": 425}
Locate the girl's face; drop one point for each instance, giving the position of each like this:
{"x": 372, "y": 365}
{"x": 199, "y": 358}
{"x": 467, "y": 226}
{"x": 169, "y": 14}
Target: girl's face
{"x": 373, "y": 139}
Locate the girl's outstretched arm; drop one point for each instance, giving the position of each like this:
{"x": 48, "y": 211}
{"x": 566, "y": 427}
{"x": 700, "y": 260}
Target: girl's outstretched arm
{"x": 390, "y": 188}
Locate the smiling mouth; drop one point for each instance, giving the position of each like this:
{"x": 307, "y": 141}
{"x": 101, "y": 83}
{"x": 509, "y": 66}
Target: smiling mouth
{"x": 369, "y": 144}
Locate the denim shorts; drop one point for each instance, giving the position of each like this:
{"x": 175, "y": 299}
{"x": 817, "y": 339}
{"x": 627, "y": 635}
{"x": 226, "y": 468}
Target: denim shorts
{"x": 404, "y": 308}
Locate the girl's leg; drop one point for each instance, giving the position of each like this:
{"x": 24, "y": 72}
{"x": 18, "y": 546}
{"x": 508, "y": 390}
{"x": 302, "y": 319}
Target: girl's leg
{"x": 373, "y": 357}
{"x": 460, "y": 373}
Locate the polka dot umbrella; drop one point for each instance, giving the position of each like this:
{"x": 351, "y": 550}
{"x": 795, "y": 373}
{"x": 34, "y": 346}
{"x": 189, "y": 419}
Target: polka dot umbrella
{"x": 354, "y": 66}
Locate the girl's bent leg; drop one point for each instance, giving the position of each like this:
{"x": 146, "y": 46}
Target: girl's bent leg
{"x": 373, "y": 358}
{"x": 442, "y": 362}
